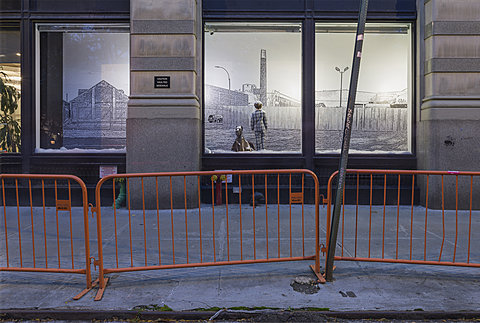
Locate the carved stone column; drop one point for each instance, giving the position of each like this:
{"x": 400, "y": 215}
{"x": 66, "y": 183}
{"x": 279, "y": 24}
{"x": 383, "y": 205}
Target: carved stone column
{"x": 449, "y": 97}
{"x": 164, "y": 115}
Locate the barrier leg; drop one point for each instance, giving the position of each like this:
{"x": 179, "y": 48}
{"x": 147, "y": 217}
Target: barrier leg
{"x": 86, "y": 290}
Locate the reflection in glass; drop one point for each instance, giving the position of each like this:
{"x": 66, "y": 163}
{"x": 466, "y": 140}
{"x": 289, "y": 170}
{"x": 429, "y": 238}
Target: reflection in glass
{"x": 249, "y": 62}
{"x": 84, "y": 86}
{"x": 383, "y": 103}
{"x": 10, "y": 89}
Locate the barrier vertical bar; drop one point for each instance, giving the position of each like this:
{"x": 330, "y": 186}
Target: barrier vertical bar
{"x": 199, "y": 220}
{"x": 19, "y": 231}
{"x": 266, "y": 212}
{"x": 226, "y": 214}
{"x": 213, "y": 221}
{"x": 115, "y": 221}
{"x": 31, "y": 218}
{"x": 370, "y": 221}
{"x": 171, "y": 217}
{"x": 5, "y": 220}
{"x": 356, "y": 214}
{"x": 411, "y": 218}
{"x": 303, "y": 221}
{"x": 443, "y": 222}
{"x": 158, "y": 223}
{"x": 44, "y": 224}
{"x": 129, "y": 221}
{"x": 58, "y": 234}
{"x": 398, "y": 216}
{"x": 470, "y": 218}
{"x": 186, "y": 221}
{"x": 384, "y": 206}
{"x": 290, "y": 203}
{"x": 144, "y": 222}
{"x": 426, "y": 214}
{"x": 343, "y": 219}
{"x": 240, "y": 207}
{"x": 71, "y": 227}
{"x": 278, "y": 213}
{"x": 456, "y": 218}
{"x": 254, "y": 226}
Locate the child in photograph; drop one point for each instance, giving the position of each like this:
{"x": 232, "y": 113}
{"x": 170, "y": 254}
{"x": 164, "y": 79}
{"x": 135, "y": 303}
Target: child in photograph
{"x": 258, "y": 123}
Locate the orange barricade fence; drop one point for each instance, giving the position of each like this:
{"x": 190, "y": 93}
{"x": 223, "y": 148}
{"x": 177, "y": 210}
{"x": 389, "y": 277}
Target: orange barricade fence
{"x": 208, "y": 218}
{"x": 40, "y": 233}
{"x": 382, "y": 220}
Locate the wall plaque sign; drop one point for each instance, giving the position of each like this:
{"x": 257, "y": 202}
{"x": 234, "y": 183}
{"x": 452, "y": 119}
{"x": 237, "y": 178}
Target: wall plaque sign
{"x": 161, "y": 82}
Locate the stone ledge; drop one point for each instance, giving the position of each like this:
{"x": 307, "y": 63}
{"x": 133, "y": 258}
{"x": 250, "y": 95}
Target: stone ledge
{"x": 450, "y": 110}
{"x": 452, "y": 65}
{"x": 162, "y": 63}
{"x": 163, "y": 27}
{"x": 452, "y": 28}
{"x": 164, "y": 112}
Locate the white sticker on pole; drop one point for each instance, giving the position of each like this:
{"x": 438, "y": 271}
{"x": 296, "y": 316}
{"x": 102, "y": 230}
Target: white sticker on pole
{"x": 360, "y": 37}
{"x": 359, "y": 54}
{"x": 106, "y": 170}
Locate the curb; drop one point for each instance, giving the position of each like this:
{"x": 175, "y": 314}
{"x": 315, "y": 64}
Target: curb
{"x": 257, "y": 316}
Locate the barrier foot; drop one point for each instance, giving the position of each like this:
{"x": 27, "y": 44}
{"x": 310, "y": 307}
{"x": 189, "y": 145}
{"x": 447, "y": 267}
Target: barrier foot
{"x": 86, "y": 290}
{"x": 101, "y": 291}
{"x": 320, "y": 277}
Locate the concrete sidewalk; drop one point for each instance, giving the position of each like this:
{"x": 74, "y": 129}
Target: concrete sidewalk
{"x": 357, "y": 286}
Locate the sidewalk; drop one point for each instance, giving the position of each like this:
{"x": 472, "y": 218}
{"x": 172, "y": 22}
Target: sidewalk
{"x": 357, "y": 286}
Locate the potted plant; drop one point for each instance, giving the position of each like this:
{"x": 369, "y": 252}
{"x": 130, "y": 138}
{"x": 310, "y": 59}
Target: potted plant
{"x": 9, "y": 127}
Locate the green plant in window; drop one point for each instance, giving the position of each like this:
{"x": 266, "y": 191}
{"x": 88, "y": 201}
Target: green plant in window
{"x": 9, "y": 126}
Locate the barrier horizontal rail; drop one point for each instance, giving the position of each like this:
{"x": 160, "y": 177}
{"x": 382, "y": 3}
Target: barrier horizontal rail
{"x": 166, "y": 225}
{"x": 379, "y": 228}
{"x": 31, "y": 242}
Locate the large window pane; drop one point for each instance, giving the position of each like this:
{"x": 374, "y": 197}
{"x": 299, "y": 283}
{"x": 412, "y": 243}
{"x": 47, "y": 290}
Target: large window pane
{"x": 245, "y": 63}
{"x": 382, "y": 118}
{"x": 10, "y": 89}
{"x": 83, "y": 86}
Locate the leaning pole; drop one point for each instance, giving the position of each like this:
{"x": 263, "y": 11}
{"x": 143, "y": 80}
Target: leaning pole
{"x": 347, "y": 131}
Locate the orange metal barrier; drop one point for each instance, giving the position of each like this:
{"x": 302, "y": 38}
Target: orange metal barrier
{"x": 40, "y": 247}
{"x": 388, "y": 231}
{"x": 165, "y": 225}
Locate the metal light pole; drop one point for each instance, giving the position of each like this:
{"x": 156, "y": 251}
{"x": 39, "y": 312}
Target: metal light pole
{"x": 228, "y": 74}
{"x": 347, "y": 131}
{"x": 341, "y": 81}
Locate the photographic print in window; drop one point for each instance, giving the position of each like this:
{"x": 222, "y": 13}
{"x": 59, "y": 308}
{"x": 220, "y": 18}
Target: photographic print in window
{"x": 84, "y": 87}
{"x": 248, "y": 63}
{"x": 383, "y": 108}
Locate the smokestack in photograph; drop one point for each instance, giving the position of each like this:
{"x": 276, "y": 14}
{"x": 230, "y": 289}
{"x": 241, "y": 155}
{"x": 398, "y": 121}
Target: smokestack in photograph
{"x": 263, "y": 76}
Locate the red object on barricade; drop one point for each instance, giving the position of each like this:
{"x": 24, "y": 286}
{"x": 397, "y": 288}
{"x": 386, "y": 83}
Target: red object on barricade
{"x": 44, "y": 248}
{"x": 165, "y": 225}
{"x": 379, "y": 228}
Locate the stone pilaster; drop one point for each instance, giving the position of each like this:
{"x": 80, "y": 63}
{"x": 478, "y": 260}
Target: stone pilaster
{"x": 449, "y": 93}
{"x": 164, "y": 123}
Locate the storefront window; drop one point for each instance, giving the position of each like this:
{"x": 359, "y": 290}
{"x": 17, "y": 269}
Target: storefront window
{"x": 382, "y": 117}
{"x": 82, "y": 87}
{"x": 247, "y": 63}
{"x": 10, "y": 89}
